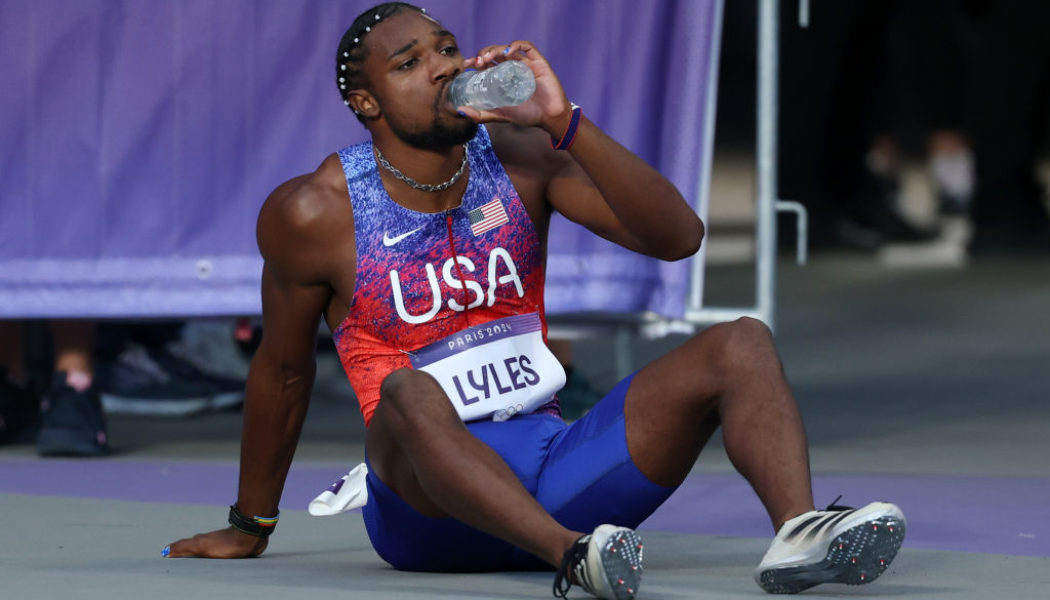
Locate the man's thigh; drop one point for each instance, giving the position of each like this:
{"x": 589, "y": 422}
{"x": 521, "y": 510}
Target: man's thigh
{"x": 589, "y": 477}
{"x": 410, "y": 540}
{"x": 582, "y": 474}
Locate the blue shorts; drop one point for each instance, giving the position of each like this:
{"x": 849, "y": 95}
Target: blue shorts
{"x": 581, "y": 473}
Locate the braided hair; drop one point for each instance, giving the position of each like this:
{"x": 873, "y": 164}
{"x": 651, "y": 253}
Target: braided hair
{"x": 352, "y": 52}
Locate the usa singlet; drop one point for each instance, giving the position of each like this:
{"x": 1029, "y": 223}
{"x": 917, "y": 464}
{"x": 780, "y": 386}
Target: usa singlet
{"x": 458, "y": 294}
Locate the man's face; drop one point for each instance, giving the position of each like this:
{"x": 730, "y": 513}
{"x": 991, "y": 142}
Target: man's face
{"x": 410, "y": 63}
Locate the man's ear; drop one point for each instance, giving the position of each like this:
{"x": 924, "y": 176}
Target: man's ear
{"x": 364, "y": 104}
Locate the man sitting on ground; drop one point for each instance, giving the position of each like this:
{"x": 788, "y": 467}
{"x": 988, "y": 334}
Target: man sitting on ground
{"x": 434, "y": 294}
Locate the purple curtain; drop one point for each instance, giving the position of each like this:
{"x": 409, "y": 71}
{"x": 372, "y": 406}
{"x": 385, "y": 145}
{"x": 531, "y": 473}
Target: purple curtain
{"x": 138, "y": 139}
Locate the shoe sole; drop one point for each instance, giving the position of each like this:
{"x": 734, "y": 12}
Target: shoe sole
{"x": 226, "y": 400}
{"x": 66, "y": 442}
{"x": 856, "y": 556}
{"x": 622, "y": 563}
{"x": 176, "y": 407}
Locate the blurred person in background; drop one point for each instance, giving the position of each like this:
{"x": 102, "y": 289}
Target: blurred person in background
{"x": 59, "y": 377}
{"x": 866, "y": 83}
{"x": 64, "y": 415}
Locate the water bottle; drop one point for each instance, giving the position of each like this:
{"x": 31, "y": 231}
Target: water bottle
{"x": 507, "y": 84}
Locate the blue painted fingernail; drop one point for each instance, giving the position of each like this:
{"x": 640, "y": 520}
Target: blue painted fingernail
{"x": 506, "y": 50}
{"x": 461, "y": 113}
{"x": 166, "y": 551}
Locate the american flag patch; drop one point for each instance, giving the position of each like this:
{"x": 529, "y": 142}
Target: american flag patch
{"x": 487, "y": 217}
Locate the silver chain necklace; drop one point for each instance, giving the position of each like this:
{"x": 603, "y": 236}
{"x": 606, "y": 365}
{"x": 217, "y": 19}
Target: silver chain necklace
{"x": 426, "y": 187}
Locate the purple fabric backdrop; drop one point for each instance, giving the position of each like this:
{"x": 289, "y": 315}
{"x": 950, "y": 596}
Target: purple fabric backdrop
{"x": 138, "y": 139}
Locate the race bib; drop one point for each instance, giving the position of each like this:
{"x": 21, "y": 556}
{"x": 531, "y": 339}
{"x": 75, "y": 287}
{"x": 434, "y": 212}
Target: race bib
{"x": 495, "y": 370}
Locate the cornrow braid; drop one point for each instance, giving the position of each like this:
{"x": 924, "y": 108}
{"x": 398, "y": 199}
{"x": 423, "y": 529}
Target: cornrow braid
{"x": 352, "y": 52}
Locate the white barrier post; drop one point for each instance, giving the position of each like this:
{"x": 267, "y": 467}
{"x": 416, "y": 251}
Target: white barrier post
{"x": 766, "y": 150}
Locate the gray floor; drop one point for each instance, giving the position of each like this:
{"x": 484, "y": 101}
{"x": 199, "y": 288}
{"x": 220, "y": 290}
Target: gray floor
{"x": 899, "y": 373}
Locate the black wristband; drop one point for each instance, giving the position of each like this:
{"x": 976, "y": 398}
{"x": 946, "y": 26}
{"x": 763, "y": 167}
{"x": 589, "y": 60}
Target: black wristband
{"x": 257, "y": 526}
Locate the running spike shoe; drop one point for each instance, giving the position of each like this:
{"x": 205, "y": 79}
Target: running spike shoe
{"x": 835, "y": 545}
{"x": 606, "y": 563}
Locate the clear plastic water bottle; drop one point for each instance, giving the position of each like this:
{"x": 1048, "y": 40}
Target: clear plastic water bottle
{"x": 507, "y": 84}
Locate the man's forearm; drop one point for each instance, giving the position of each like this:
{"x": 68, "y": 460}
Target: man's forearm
{"x": 274, "y": 409}
{"x": 645, "y": 201}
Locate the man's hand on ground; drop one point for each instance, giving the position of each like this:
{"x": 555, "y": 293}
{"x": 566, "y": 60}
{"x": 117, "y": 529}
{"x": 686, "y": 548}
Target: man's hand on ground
{"x": 221, "y": 543}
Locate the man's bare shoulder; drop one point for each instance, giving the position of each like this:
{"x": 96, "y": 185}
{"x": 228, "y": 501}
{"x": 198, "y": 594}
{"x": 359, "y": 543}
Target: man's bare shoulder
{"x": 308, "y": 202}
{"x": 307, "y": 207}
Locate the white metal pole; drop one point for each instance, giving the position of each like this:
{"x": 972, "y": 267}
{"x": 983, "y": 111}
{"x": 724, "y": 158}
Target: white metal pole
{"x": 766, "y": 149}
{"x": 696, "y": 274}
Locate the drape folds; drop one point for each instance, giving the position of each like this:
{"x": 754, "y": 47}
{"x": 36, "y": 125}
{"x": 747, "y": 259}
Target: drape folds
{"x": 138, "y": 139}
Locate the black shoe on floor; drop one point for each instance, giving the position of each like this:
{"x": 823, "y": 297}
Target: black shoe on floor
{"x": 71, "y": 422}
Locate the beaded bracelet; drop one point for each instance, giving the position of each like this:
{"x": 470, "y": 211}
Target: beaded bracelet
{"x": 570, "y": 131}
{"x": 257, "y": 526}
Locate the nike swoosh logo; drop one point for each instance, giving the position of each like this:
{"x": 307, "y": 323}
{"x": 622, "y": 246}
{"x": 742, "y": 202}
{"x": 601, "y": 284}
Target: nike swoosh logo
{"x": 390, "y": 241}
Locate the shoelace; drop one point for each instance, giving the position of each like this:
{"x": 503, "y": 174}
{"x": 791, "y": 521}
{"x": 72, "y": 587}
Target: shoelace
{"x": 837, "y": 507}
{"x": 573, "y": 557}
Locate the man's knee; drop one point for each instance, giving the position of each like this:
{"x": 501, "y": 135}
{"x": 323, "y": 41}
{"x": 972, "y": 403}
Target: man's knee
{"x": 750, "y": 331}
{"x": 397, "y": 385}
{"x": 408, "y": 392}
{"x": 745, "y": 343}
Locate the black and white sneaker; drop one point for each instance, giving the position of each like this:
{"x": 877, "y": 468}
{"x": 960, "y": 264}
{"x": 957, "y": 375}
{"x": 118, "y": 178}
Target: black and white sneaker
{"x": 134, "y": 384}
{"x": 836, "y": 545}
{"x": 179, "y": 360}
{"x": 606, "y": 563}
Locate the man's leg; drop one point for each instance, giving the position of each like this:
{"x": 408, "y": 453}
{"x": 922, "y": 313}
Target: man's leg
{"x": 72, "y": 423}
{"x": 728, "y": 375}
{"x": 418, "y": 446}
{"x": 74, "y": 343}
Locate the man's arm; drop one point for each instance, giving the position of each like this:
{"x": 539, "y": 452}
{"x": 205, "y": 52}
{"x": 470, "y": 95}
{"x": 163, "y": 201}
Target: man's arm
{"x": 598, "y": 183}
{"x": 294, "y": 295}
{"x": 617, "y": 195}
